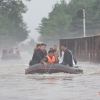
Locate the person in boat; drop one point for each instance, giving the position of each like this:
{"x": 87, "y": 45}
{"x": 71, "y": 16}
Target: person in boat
{"x": 57, "y": 51}
{"x": 67, "y": 57}
{"x": 55, "y": 55}
{"x": 4, "y": 51}
{"x": 17, "y": 52}
{"x": 37, "y": 46}
{"x": 73, "y": 59}
{"x": 11, "y": 51}
{"x": 45, "y": 52}
{"x": 38, "y": 55}
{"x": 50, "y": 58}
{"x": 61, "y": 58}
{"x": 51, "y": 49}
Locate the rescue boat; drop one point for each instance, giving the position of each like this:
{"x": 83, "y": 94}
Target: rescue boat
{"x": 52, "y": 68}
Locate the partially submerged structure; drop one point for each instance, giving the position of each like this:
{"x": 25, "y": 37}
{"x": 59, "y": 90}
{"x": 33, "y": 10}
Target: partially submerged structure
{"x": 84, "y": 48}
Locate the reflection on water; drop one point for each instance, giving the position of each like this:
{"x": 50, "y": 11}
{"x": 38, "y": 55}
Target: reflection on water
{"x": 15, "y": 85}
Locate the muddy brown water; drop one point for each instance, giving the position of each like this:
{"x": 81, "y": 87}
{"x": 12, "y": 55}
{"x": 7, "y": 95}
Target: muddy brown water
{"x": 15, "y": 85}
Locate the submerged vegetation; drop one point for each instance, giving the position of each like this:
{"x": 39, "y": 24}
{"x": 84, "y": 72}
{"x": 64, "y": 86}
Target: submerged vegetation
{"x": 62, "y": 21}
{"x": 13, "y": 29}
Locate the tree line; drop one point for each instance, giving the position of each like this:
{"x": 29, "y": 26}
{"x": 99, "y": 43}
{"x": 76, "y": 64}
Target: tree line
{"x": 13, "y": 29}
{"x": 62, "y": 21}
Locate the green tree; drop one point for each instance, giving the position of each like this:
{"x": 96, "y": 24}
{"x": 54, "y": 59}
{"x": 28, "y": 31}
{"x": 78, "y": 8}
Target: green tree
{"x": 12, "y": 26}
{"x": 56, "y": 25}
{"x": 62, "y": 21}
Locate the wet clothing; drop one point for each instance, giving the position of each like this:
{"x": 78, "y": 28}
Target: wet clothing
{"x": 37, "y": 57}
{"x": 67, "y": 58}
{"x": 49, "y": 60}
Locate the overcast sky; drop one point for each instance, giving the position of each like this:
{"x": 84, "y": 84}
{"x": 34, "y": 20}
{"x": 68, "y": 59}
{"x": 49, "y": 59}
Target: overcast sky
{"x": 37, "y": 9}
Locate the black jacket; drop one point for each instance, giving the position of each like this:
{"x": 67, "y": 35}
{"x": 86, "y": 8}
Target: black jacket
{"x": 67, "y": 58}
{"x": 37, "y": 57}
{"x": 45, "y": 53}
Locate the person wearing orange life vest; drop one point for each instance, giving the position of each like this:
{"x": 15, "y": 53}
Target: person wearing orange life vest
{"x": 50, "y": 58}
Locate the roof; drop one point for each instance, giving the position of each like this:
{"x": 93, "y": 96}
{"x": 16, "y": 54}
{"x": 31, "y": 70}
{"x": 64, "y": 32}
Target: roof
{"x": 81, "y": 37}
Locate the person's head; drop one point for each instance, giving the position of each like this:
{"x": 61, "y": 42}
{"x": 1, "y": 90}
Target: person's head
{"x": 54, "y": 52}
{"x": 43, "y": 47}
{"x": 63, "y": 47}
{"x": 51, "y": 53}
{"x": 55, "y": 47}
{"x": 51, "y": 48}
{"x": 38, "y": 46}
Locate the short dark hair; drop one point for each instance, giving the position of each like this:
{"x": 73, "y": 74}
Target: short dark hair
{"x": 65, "y": 45}
{"x": 54, "y": 50}
{"x": 42, "y": 44}
{"x": 38, "y": 44}
{"x": 51, "y": 48}
{"x": 55, "y": 45}
{"x": 51, "y": 51}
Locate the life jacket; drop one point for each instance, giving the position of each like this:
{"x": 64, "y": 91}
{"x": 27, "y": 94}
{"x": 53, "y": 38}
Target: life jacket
{"x": 51, "y": 60}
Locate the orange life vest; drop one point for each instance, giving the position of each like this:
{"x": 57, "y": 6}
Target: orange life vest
{"x": 51, "y": 60}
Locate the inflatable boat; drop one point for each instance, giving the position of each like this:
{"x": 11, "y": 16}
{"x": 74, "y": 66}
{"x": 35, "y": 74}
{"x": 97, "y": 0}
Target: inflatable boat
{"x": 52, "y": 68}
{"x": 10, "y": 56}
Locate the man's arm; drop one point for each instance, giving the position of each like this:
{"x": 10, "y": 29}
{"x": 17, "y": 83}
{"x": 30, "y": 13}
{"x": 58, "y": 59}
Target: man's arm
{"x": 44, "y": 60}
{"x": 56, "y": 59}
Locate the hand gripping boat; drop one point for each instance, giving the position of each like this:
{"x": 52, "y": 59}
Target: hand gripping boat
{"x": 52, "y": 68}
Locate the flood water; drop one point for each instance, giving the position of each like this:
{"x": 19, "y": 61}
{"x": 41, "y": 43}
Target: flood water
{"x": 15, "y": 85}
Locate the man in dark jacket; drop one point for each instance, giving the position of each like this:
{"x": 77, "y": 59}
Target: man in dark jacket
{"x": 67, "y": 59}
{"x": 38, "y": 55}
{"x": 45, "y": 53}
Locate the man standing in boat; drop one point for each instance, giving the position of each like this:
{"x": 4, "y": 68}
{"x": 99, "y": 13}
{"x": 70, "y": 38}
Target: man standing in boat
{"x": 67, "y": 58}
{"x": 38, "y": 55}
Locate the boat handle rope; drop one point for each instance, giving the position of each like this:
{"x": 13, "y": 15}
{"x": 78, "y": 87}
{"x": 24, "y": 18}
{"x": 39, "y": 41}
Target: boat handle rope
{"x": 48, "y": 69}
